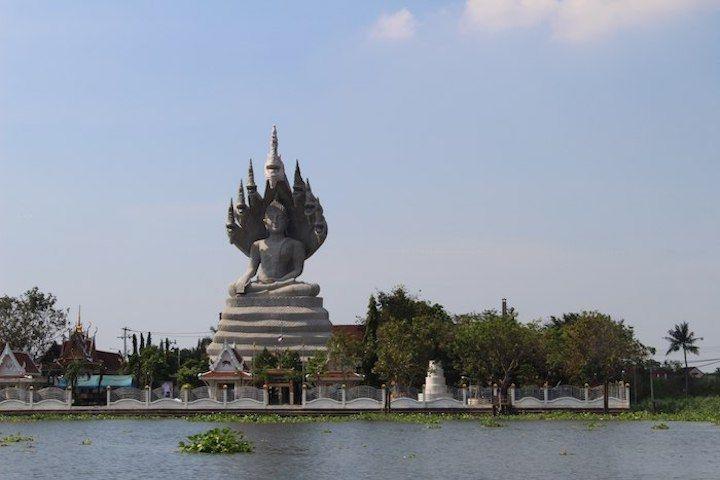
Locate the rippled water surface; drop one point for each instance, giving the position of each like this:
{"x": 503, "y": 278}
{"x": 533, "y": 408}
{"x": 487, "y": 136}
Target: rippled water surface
{"x": 147, "y": 449}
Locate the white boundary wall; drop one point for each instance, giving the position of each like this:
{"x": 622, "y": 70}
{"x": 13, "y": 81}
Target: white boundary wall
{"x": 563, "y": 397}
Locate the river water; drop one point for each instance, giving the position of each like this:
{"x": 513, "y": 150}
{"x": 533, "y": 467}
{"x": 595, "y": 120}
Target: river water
{"x": 147, "y": 449}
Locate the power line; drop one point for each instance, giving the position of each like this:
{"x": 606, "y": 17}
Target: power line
{"x": 208, "y": 332}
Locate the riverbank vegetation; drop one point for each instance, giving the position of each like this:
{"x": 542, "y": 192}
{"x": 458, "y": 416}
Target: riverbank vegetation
{"x": 693, "y": 409}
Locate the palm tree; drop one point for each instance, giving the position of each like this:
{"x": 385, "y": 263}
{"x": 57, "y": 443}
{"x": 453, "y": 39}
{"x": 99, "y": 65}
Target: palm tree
{"x": 681, "y": 337}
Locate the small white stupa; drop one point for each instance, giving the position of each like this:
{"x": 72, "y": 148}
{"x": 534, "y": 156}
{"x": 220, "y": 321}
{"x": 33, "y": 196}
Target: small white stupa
{"x": 435, "y": 386}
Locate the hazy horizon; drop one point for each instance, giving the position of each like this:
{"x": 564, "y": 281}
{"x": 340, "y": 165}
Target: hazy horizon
{"x": 566, "y": 159}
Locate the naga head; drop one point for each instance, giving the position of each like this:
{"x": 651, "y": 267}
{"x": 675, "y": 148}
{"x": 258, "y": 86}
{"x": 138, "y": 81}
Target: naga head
{"x": 274, "y": 167}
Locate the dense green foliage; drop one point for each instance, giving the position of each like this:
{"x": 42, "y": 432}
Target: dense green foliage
{"x": 217, "y": 440}
{"x": 285, "y": 359}
{"x": 403, "y": 333}
{"x": 154, "y": 364}
{"x": 31, "y": 321}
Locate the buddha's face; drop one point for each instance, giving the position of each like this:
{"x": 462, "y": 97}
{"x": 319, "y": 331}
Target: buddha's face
{"x": 275, "y": 221}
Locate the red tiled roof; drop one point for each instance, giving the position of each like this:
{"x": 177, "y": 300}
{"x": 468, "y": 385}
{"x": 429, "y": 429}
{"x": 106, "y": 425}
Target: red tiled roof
{"x": 355, "y": 331}
{"x": 24, "y": 358}
{"x": 113, "y": 361}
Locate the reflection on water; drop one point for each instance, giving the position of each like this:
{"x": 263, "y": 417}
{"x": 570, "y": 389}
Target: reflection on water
{"x": 147, "y": 449}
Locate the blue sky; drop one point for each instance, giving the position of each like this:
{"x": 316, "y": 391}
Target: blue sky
{"x": 562, "y": 154}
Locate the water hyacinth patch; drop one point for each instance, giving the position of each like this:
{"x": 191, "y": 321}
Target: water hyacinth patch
{"x": 15, "y": 438}
{"x": 216, "y": 440}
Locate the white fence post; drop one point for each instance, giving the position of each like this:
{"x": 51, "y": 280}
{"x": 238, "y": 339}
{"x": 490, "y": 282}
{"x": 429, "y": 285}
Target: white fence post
{"x": 31, "y": 395}
{"x": 68, "y": 396}
{"x": 185, "y": 395}
{"x": 304, "y": 394}
{"x": 342, "y": 392}
{"x": 424, "y": 402}
{"x": 266, "y": 395}
{"x": 107, "y": 396}
{"x": 224, "y": 395}
{"x": 627, "y": 395}
{"x": 147, "y": 396}
{"x": 384, "y": 396}
{"x": 464, "y": 394}
{"x": 545, "y": 393}
{"x": 587, "y": 393}
{"x": 511, "y": 391}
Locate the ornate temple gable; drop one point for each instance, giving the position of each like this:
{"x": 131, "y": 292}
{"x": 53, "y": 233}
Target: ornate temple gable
{"x": 227, "y": 361}
{"x": 9, "y": 365}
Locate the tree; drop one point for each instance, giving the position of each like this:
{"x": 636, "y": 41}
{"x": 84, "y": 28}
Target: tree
{"x": 494, "y": 347}
{"x": 31, "y": 321}
{"x": 188, "y": 372}
{"x": 344, "y": 352}
{"x": 681, "y": 338}
{"x": 262, "y": 362}
{"x": 317, "y": 364}
{"x": 148, "y": 340}
{"x": 142, "y": 343}
{"x": 290, "y": 359}
{"x": 405, "y": 346}
{"x": 369, "y": 343}
{"x": 154, "y": 367}
{"x": 134, "y": 344}
{"x": 595, "y": 346}
{"x": 399, "y": 304}
{"x": 73, "y": 371}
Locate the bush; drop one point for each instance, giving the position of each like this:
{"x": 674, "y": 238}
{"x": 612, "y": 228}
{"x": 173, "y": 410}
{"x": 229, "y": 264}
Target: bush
{"x": 217, "y": 440}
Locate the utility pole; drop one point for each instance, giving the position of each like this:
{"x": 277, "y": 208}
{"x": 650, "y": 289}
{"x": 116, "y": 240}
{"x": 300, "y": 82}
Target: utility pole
{"x": 124, "y": 339}
{"x": 177, "y": 351}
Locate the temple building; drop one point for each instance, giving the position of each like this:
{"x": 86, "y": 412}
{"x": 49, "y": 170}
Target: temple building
{"x": 18, "y": 369}
{"x": 227, "y": 371}
{"x": 80, "y": 346}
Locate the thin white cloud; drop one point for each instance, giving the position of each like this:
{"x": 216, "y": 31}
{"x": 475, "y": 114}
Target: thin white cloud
{"x": 494, "y": 15}
{"x": 573, "y": 20}
{"x": 397, "y": 26}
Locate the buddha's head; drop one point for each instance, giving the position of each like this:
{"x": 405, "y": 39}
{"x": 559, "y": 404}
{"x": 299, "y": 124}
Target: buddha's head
{"x": 275, "y": 219}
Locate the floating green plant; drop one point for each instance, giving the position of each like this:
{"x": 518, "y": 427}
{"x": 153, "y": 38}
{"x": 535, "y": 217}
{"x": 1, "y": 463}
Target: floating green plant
{"x": 217, "y": 440}
{"x": 15, "y": 438}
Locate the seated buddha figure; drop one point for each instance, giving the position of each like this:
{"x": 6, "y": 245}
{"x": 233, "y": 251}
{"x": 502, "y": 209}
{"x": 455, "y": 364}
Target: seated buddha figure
{"x": 277, "y": 260}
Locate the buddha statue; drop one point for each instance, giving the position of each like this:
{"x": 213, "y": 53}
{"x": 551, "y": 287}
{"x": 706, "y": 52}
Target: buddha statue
{"x": 278, "y": 230}
{"x": 278, "y": 227}
{"x": 277, "y": 260}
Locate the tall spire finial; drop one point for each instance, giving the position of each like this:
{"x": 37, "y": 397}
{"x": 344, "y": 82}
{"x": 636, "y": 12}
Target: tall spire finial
{"x": 298, "y": 176}
{"x": 78, "y": 325}
{"x": 274, "y": 168}
{"x": 241, "y": 196}
{"x": 274, "y": 142}
{"x": 230, "y": 214}
{"x": 251, "y": 176}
